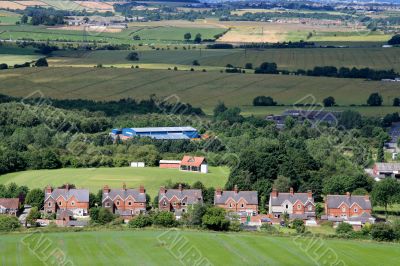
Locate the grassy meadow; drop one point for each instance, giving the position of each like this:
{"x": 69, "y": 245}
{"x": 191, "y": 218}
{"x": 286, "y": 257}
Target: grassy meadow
{"x": 202, "y": 89}
{"x": 289, "y": 59}
{"x": 95, "y": 178}
{"x": 155, "y": 247}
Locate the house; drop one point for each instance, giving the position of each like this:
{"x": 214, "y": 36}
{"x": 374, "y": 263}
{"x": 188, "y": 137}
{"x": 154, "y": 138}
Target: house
{"x": 194, "y": 164}
{"x": 9, "y": 206}
{"x": 66, "y": 218}
{"x": 178, "y": 200}
{"x": 240, "y": 202}
{"x": 124, "y": 202}
{"x": 75, "y": 200}
{"x": 160, "y": 133}
{"x": 313, "y": 116}
{"x": 353, "y": 209}
{"x": 297, "y": 205}
{"x": 170, "y": 164}
{"x": 382, "y": 170}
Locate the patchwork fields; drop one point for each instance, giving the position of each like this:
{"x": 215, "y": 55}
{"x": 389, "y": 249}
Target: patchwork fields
{"x": 155, "y": 247}
{"x": 95, "y": 178}
{"x": 197, "y": 88}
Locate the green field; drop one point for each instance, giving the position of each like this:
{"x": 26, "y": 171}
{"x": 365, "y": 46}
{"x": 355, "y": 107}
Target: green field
{"x": 8, "y": 18}
{"x": 149, "y": 35}
{"x": 157, "y": 247}
{"x": 197, "y": 88}
{"x": 95, "y": 178}
{"x": 290, "y": 59}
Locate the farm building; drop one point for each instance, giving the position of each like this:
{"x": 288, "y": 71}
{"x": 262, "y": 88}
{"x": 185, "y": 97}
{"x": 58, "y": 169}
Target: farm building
{"x": 194, "y": 164}
{"x": 188, "y": 163}
{"x": 170, "y": 164}
{"x": 162, "y": 133}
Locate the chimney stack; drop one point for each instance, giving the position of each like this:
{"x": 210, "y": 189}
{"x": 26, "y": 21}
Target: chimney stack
{"x": 49, "y": 189}
{"x": 274, "y": 193}
{"x": 162, "y": 190}
{"x": 180, "y": 187}
{"x": 348, "y": 195}
{"x": 291, "y": 191}
{"x": 218, "y": 192}
{"x": 366, "y": 197}
{"x": 309, "y": 194}
{"x": 124, "y": 186}
{"x": 235, "y": 189}
{"x": 67, "y": 186}
{"x": 141, "y": 189}
{"x": 106, "y": 189}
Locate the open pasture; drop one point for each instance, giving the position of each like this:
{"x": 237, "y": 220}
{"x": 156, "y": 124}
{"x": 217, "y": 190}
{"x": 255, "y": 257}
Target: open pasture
{"x": 156, "y": 247}
{"x": 95, "y": 178}
{"x": 202, "y": 89}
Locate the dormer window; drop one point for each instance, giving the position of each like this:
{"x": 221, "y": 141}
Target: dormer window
{"x": 298, "y": 206}
{"x": 73, "y": 203}
{"x": 343, "y": 209}
{"x": 49, "y": 204}
{"x": 310, "y": 208}
{"x": 60, "y": 203}
{"x": 118, "y": 203}
{"x": 107, "y": 204}
{"x": 230, "y": 205}
{"x": 164, "y": 203}
{"x": 129, "y": 203}
{"x": 242, "y": 205}
{"x": 174, "y": 203}
{"x": 355, "y": 210}
{"x": 287, "y": 206}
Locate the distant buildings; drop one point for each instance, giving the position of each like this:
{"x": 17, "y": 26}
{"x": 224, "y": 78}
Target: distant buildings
{"x": 178, "y": 200}
{"x": 161, "y": 133}
{"x": 74, "y": 200}
{"x": 240, "y": 202}
{"x": 9, "y": 206}
{"x": 188, "y": 163}
{"x": 124, "y": 202}
{"x": 355, "y": 210}
{"x": 314, "y": 117}
{"x": 296, "y": 205}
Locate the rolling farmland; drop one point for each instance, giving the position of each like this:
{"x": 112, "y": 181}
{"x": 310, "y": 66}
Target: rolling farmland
{"x": 197, "y": 88}
{"x": 154, "y": 247}
{"x": 95, "y": 178}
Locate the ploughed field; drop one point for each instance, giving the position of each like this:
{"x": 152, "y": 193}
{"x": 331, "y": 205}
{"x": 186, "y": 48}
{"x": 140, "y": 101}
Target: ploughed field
{"x": 201, "y": 89}
{"x": 95, "y": 178}
{"x": 160, "y": 247}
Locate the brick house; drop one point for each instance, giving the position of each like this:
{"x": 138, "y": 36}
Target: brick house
{"x": 75, "y": 200}
{"x": 9, "y": 206}
{"x": 124, "y": 201}
{"x": 178, "y": 200}
{"x": 355, "y": 210}
{"x": 241, "y": 202}
{"x": 297, "y": 205}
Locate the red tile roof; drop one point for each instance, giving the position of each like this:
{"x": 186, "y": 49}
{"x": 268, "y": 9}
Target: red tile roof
{"x": 192, "y": 161}
{"x": 9, "y": 203}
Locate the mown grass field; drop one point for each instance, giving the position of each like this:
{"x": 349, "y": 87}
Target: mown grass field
{"x": 290, "y": 59}
{"x": 197, "y": 88}
{"x": 95, "y": 178}
{"x": 156, "y": 247}
{"x": 8, "y": 18}
{"x": 148, "y": 35}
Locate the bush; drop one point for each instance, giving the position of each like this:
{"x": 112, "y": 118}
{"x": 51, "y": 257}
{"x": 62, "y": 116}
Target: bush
{"x": 344, "y": 228}
{"x": 3, "y": 66}
{"x": 264, "y": 101}
{"x": 41, "y": 62}
{"x": 268, "y": 228}
{"x": 329, "y": 101}
{"x": 214, "y": 219}
{"x": 375, "y": 99}
{"x": 8, "y": 223}
{"x": 101, "y": 215}
{"x": 248, "y": 66}
{"x": 298, "y": 224}
{"x": 235, "y": 226}
{"x": 164, "y": 219}
{"x": 140, "y": 221}
{"x": 133, "y": 56}
{"x": 382, "y": 232}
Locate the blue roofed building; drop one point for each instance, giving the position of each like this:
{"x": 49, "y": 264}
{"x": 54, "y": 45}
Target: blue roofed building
{"x": 161, "y": 133}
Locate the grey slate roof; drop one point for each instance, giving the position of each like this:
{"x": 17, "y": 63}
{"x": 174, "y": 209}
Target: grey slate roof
{"x": 81, "y": 195}
{"x": 125, "y": 193}
{"x": 282, "y": 197}
{"x": 334, "y": 201}
{"x": 192, "y": 195}
{"x": 387, "y": 167}
{"x": 162, "y": 129}
{"x": 250, "y": 196}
